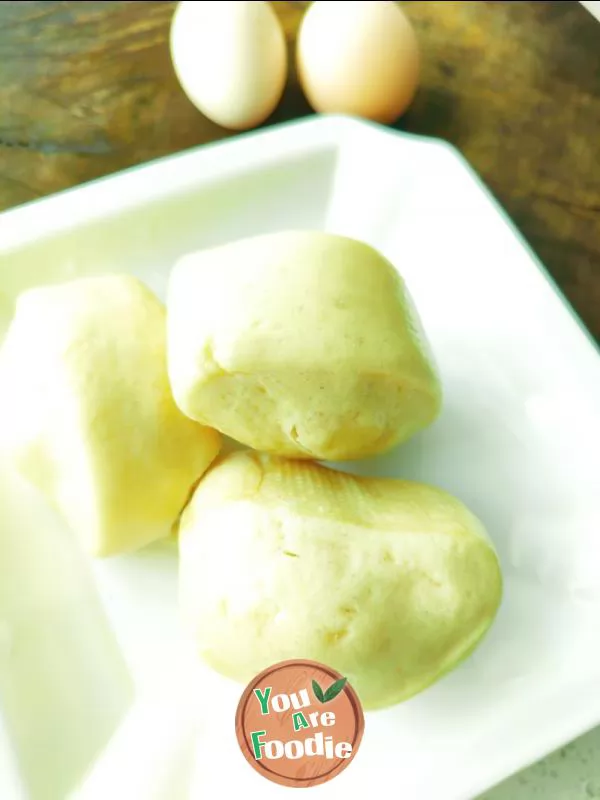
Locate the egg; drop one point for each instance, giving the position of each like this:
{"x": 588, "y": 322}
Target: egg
{"x": 230, "y": 59}
{"x": 359, "y": 58}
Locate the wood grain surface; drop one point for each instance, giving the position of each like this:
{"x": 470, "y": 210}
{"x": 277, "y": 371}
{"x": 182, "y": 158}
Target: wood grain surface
{"x": 87, "y": 88}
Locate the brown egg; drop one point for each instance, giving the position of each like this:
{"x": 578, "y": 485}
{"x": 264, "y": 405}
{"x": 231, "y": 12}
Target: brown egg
{"x": 358, "y": 58}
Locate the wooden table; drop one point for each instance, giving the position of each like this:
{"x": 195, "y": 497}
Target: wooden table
{"x": 87, "y": 88}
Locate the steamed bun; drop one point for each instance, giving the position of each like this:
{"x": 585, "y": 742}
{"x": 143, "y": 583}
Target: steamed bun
{"x": 302, "y": 344}
{"x": 392, "y": 583}
{"x": 87, "y": 414}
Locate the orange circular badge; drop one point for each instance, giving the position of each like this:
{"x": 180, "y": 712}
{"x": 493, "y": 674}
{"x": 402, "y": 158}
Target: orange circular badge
{"x": 299, "y": 723}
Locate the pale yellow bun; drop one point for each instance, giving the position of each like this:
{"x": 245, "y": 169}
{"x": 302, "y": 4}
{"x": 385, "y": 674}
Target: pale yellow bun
{"x": 301, "y": 344}
{"x": 87, "y": 414}
{"x": 390, "y": 582}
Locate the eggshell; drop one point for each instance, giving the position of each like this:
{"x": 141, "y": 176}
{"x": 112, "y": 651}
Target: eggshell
{"x": 230, "y": 59}
{"x": 358, "y": 58}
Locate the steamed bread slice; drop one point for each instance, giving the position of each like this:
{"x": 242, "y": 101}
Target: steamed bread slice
{"x": 302, "y": 344}
{"x": 87, "y": 412}
{"x": 390, "y": 582}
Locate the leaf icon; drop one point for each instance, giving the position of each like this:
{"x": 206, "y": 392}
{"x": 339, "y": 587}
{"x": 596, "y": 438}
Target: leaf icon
{"x": 318, "y": 692}
{"x": 334, "y": 690}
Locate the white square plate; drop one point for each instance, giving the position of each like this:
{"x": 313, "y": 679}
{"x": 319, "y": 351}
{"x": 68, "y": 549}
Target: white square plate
{"x": 518, "y": 440}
